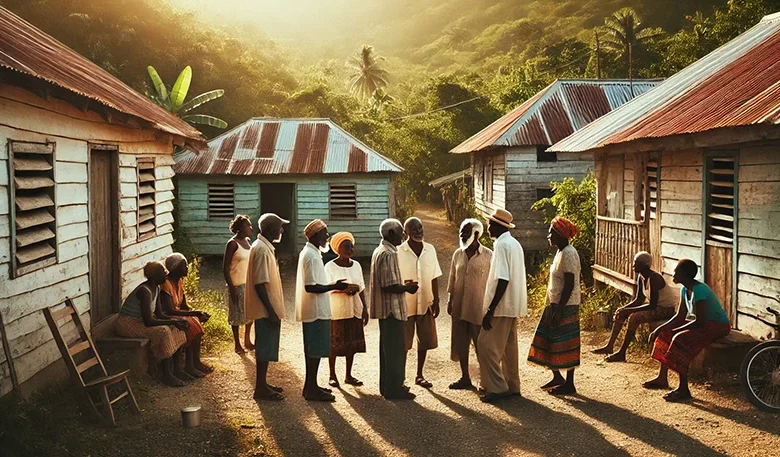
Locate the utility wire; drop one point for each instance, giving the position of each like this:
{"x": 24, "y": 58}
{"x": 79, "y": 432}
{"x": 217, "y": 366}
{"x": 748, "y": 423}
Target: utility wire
{"x": 443, "y": 108}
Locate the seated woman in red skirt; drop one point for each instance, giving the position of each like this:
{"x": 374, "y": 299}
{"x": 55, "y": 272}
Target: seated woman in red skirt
{"x": 174, "y": 303}
{"x": 699, "y": 321}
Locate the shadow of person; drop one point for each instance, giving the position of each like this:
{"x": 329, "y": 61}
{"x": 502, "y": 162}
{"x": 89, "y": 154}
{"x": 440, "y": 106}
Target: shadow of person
{"x": 751, "y": 417}
{"x": 656, "y": 434}
{"x": 538, "y": 429}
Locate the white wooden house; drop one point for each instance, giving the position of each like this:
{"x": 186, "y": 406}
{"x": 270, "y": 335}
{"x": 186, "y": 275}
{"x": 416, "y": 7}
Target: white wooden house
{"x": 692, "y": 170}
{"x": 85, "y": 193}
{"x": 509, "y": 164}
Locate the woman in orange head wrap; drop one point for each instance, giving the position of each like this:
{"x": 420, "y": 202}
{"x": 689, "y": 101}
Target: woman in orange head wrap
{"x": 348, "y": 310}
{"x": 556, "y": 344}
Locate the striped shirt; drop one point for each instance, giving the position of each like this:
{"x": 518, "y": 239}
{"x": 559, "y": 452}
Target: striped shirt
{"x": 384, "y": 273}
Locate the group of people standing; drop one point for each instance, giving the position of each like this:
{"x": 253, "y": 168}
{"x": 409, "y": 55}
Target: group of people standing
{"x": 487, "y": 293}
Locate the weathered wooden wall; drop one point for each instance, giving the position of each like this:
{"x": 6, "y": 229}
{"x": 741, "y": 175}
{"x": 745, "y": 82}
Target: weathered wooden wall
{"x": 311, "y": 197}
{"x": 758, "y": 260}
{"x": 516, "y": 177}
{"x": 26, "y": 117}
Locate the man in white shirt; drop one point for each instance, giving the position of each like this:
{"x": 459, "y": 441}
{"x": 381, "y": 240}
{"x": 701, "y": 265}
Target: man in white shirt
{"x": 312, "y": 306}
{"x": 506, "y": 299}
{"x": 418, "y": 263}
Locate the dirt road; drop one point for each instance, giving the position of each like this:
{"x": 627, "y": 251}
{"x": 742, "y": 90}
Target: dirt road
{"x": 611, "y": 415}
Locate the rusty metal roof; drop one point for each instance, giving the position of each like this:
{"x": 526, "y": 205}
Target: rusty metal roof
{"x": 269, "y": 146}
{"x": 736, "y": 85}
{"x": 555, "y": 112}
{"x": 26, "y": 49}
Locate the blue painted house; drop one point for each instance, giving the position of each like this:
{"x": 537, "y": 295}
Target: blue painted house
{"x": 301, "y": 169}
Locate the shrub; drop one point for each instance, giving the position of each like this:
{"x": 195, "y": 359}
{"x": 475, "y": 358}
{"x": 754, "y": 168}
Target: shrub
{"x": 217, "y": 331}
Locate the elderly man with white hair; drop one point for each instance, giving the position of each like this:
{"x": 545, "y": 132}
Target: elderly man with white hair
{"x": 466, "y": 287}
{"x": 388, "y": 305}
{"x": 662, "y": 299}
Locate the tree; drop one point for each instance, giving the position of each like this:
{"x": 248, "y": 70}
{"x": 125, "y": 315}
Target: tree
{"x": 366, "y": 73}
{"x": 173, "y": 100}
{"x": 624, "y": 34}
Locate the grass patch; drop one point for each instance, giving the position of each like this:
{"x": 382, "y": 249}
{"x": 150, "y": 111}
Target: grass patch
{"x": 217, "y": 332}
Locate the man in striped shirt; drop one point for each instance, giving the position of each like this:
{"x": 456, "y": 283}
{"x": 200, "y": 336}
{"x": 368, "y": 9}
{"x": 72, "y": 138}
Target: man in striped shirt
{"x": 388, "y": 305}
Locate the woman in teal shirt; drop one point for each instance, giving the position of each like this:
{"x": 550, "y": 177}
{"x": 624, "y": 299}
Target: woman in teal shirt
{"x": 699, "y": 321}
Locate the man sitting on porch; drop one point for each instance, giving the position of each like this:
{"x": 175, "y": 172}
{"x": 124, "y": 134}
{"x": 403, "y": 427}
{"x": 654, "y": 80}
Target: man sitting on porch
{"x": 662, "y": 298}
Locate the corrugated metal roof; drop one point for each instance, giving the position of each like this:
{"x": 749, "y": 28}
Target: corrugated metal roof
{"x": 555, "y": 112}
{"x": 27, "y": 50}
{"x": 267, "y": 146}
{"x": 736, "y": 85}
{"x": 438, "y": 182}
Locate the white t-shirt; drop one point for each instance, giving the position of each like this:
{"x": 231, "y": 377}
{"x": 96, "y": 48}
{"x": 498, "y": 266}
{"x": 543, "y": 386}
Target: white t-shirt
{"x": 508, "y": 263}
{"x": 423, "y": 270}
{"x": 311, "y": 307}
{"x": 343, "y": 305}
{"x": 565, "y": 261}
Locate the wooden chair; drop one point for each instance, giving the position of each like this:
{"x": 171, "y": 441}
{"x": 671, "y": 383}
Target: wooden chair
{"x": 83, "y": 349}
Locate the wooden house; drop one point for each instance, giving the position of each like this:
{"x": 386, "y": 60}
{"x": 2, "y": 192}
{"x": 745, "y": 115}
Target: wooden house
{"x": 692, "y": 170}
{"x": 510, "y": 165}
{"x": 300, "y": 169}
{"x": 85, "y": 194}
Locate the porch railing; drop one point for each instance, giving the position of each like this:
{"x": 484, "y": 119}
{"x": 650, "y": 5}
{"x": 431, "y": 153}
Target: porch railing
{"x": 617, "y": 240}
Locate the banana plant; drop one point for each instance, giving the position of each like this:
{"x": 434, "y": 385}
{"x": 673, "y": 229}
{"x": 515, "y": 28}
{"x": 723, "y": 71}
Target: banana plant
{"x": 173, "y": 100}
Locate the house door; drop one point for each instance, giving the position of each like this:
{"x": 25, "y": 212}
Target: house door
{"x": 104, "y": 258}
{"x": 279, "y": 199}
{"x": 720, "y": 216}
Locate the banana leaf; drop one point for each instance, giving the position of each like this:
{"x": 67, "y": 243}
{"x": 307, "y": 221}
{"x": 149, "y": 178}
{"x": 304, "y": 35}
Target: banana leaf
{"x": 205, "y": 119}
{"x": 158, "y": 83}
{"x": 201, "y": 99}
{"x": 180, "y": 88}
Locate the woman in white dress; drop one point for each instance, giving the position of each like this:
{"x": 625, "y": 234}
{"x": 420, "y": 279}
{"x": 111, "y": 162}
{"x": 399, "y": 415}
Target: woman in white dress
{"x": 347, "y": 307}
{"x": 234, "y": 267}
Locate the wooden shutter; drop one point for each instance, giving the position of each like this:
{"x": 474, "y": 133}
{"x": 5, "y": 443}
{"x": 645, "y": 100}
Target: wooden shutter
{"x": 343, "y": 201}
{"x": 146, "y": 198}
{"x": 488, "y": 179}
{"x": 651, "y": 170}
{"x": 222, "y": 201}
{"x": 720, "y": 204}
{"x": 32, "y": 189}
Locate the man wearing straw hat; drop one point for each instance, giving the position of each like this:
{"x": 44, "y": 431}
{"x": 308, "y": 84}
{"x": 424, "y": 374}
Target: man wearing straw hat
{"x": 312, "y": 306}
{"x": 505, "y": 300}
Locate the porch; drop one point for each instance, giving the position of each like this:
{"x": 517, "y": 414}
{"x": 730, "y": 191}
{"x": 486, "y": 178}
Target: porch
{"x": 617, "y": 240}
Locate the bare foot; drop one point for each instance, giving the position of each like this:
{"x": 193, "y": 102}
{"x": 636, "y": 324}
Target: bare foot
{"x": 249, "y": 346}
{"x": 616, "y": 357}
{"x": 603, "y": 350}
{"x": 172, "y": 381}
{"x": 555, "y": 382}
{"x": 240, "y": 350}
{"x": 183, "y": 375}
{"x": 656, "y": 383}
{"x": 566, "y": 389}
{"x": 203, "y": 368}
{"x": 194, "y": 372}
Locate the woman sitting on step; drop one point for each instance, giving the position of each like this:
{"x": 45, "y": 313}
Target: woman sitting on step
{"x": 173, "y": 303}
{"x": 136, "y": 320}
{"x": 700, "y": 320}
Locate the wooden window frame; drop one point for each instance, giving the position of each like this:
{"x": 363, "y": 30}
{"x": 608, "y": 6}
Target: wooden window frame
{"x": 26, "y": 147}
{"x": 351, "y": 216}
{"x": 719, "y": 208}
{"x": 487, "y": 179}
{"x": 542, "y": 156}
{"x": 141, "y": 167}
{"x": 214, "y": 190}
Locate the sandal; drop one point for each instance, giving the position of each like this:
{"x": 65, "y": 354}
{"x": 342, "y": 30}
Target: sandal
{"x": 616, "y": 357}
{"x": 422, "y": 382}
{"x": 319, "y": 395}
{"x": 333, "y": 382}
{"x": 353, "y": 381}
{"x": 491, "y": 397}
{"x": 272, "y": 396}
{"x": 462, "y": 384}
{"x": 275, "y": 388}
{"x": 676, "y": 396}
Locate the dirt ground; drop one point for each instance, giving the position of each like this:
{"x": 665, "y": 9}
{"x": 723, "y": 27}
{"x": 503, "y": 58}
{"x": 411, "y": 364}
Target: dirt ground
{"x": 610, "y": 416}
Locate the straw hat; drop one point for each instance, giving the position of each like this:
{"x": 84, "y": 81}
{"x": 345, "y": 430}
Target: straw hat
{"x": 502, "y": 217}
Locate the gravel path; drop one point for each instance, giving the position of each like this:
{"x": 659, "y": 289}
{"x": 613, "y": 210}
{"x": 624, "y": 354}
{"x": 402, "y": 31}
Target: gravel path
{"x": 611, "y": 416}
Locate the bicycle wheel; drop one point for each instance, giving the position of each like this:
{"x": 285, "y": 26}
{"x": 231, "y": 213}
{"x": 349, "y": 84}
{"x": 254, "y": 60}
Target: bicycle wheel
{"x": 760, "y": 376}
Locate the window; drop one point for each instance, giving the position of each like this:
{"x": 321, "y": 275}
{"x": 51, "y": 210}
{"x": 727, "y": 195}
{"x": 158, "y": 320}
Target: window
{"x": 222, "y": 201}
{"x": 720, "y": 201}
{"x": 652, "y": 183}
{"x": 343, "y": 201}
{"x": 543, "y": 156}
{"x": 544, "y": 193}
{"x": 487, "y": 180}
{"x": 146, "y": 198}
{"x": 32, "y": 210}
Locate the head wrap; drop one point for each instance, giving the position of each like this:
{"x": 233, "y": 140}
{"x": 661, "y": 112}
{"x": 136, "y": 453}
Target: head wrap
{"x": 174, "y": 261}
{"x": 564, "y": 227}
{"x": 313, "y": 228}
{"x": 337, "y": 239}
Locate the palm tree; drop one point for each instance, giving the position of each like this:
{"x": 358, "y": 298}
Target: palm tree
{"x": 366, "y": 74}
{"x": 173, "y": 101}
{"x": 623, "y": 32}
